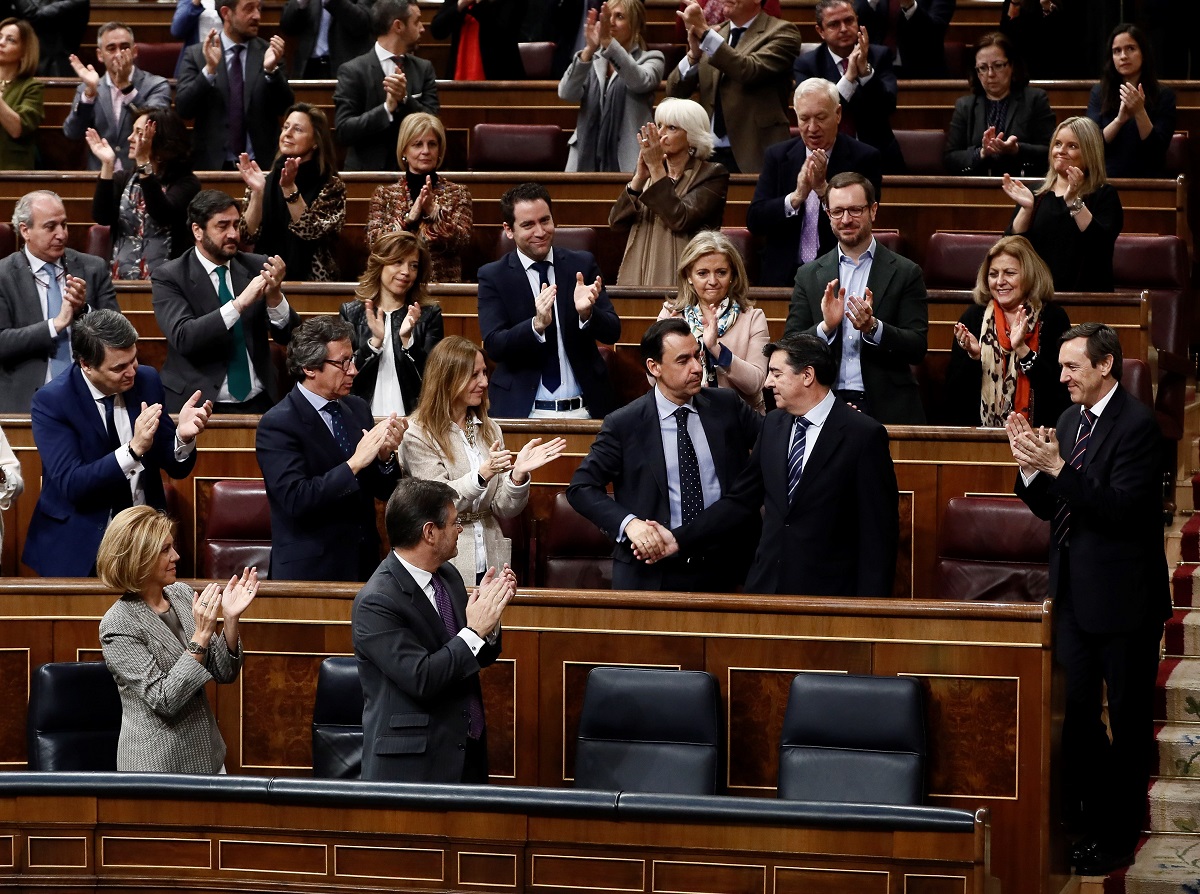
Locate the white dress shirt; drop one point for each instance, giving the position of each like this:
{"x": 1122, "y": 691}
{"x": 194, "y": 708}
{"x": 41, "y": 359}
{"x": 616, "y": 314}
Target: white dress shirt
{"x": 423, "y": 580}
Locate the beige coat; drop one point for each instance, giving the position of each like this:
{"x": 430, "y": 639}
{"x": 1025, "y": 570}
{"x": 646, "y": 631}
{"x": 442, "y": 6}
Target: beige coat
{"x": 13, "y": 483}
{"x": 748, "y": 369}
{"x": 424, "y": 459}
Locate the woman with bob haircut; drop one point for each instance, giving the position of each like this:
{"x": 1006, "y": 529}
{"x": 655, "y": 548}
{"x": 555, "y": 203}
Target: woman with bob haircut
{"x": 713, "y": 299}
{"x": 1075, "y": 216}
{"x": 674, "y": 194}
{"x": 161, "y": 644}
{"x": 396, "y": 324}
{"x": 452, "y": 439}
{"x": 1005, "y": 353}
{"x": 422, "y": 202}
{"x": 21, "y": 110}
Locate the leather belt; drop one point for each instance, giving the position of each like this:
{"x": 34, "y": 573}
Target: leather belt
{"x": 467, "y": 518}
{"x": 559, "y": 406}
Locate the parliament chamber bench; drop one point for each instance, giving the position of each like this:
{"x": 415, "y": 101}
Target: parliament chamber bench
{"x": 984, "y": 669}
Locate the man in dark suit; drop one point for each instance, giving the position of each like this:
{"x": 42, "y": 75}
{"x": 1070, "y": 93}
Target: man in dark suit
{"x": 740, "y": 70}
{"x": 823, "y": 477}
{"x": 915, "y": 30}
{"x": 786, "y": 209}
{"x": 44, "y": 287}
{"x": 870, "y": 304}
{"x": 543, "y": 338}
{"x": 328, "y": 33}
{"x": 325, "y": 461}
{"x": 105, "y": 102}
{"x": 864, "y": 77}
{"x": 103, "y": 437}
{"x": 377, "y": 89}
{"x": 216, "y": 305}
{"x": 1096, "y": 478}
{"x": 656, "y": 474}
{"x": 421, "y": 641}
{"x": 233, "y": 84}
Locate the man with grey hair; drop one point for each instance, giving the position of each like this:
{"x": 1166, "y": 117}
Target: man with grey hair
{"x": 786, "y": 211}
{"x": 325, "y": 461}
{"x": 103, "y": 438}
{"x": 44, "y": 287}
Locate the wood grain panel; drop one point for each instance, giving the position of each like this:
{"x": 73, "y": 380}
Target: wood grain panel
{"x": 934, "y": 884}
{"x": 8, "y": 851}
{"x": 409, "y": 864}
{"x": 587, "y": 873}
{"x": 973, "y": 728}
{"x": 499, "y": 683}
{"x": 281, "y": 857}
{"x": 495, "y": 870}
{"x": 678, "y": 877}
{"x": 791, "y": 880}
{"x": 277, "y": 709}
{"x": 14, "y": 697}
{"x": 153, "y": 852}
{"x": 57, "y": 852}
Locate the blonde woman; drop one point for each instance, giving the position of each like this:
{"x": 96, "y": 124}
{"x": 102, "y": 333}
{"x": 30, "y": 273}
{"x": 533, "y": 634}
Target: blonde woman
{"x": 452, "y": 439}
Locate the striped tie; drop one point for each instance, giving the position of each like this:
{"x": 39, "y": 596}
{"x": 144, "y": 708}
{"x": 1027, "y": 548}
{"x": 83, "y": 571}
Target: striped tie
{"x": 796, "y": 456}
{"x": 1062, "y": 517}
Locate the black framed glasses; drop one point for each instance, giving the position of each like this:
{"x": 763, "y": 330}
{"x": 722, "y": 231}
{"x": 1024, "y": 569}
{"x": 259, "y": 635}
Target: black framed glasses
{"x": 853, "y": 211}
{"x": 991, "y": 68}
{"x": 344, "y": 365}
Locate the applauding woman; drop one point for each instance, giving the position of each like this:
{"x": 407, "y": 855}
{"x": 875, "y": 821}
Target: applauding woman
{"x": 396, "y": 324}
{"x": 1075, "y": 216}
{"x": 21, "y": 109}
{"x": 145, "y": 207}
{"x": 161, "y": 644}
{"x": 297, "y": 209}
{"x": 11, "y": 482}
{"x": 452, "y": 439}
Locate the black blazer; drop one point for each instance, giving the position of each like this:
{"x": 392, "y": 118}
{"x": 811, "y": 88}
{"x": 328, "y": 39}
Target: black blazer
{"x": 499, "y": 31}
{"x": 349, "y": 30}
{"x": 839, "y": 536}
{"x": 1116, "y": 542}
{"x": 1029, "y": 117}
{"x": 781, "y": 234}
{"x": 361, "y": 118}
{"x": 417, "y": 679}
{"x": 322, "y": 514}
{"x": 166, "y": 197}
{"x": 189, "y": 313}
{"x": 506, "y": 312}
{"x": 920, "y": 40}
{"x": 410, "y": 364}
{"x": 628, "y": 454}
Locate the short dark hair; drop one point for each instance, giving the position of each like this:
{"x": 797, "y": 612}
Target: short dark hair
{"x": 95, "y": 332}
{"x": 308, "y": 346}
{"x": 414, "y": 503}
{"x": 999, "y": 40}
{"x": 207, "y": 204}
{"x": 522, "y": 192}
{"x": 803, "y": 349}
{"x": 850, "y": 178}
{"x": 1102, "y": 341}
{"x": 384, "y": 12}
{"x": 823, "y": 6}
{"x": 656, "y": 332}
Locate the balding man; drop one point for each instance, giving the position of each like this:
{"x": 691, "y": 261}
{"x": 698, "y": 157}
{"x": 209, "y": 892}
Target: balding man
{"x": 43, "y": 288}
{"x": 787, "y": 207}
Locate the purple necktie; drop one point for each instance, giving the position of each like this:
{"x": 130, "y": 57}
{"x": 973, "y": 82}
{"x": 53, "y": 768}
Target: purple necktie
{"x": 237, "y": 108}
{"x": 810, "y": 239}
{"x": 446, "y": 609}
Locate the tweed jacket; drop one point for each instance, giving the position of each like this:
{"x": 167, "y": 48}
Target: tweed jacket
{"x": 447, "y": 237}
{"x": 167, "y": 725}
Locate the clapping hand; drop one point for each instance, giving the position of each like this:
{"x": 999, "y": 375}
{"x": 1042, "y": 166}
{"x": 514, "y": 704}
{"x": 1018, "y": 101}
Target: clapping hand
{"x": 833, "y": 307}
{"x": 534, "y": 455}
{"x": 586, "y": 296}
{"x": 274, "y": 55}
{"x": 1034, "y": 450}
{"x": 543, "y": 306}
{"x": 711, "y": 332}
{"x": 193, "y": 417}
{"x": 252, "y": 174}
{"x": 1074, "y": 183}
{"x": 145, "y": 427}
{"x": 239, "y": 593}
{"x": 861, "y": 311}
{"x": 410, "y": 320}
{"x": 967, "y": 340}
{"x": 486, "y": 604}
{"x": 87, "y": 74}
{"x": 212, "y": 51}
{"x": 860, "y": 57}
{"x": 105, "y": 154}
{"x": 498, "y": 462}
{"x": 1133, "y": 102}
{"x": 287, "y": 175}
{"x": 1017, "y": 191}
{"x": 1020, "y": 329}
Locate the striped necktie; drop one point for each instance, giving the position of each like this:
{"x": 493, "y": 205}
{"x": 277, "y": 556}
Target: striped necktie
{"x": 796, "y": 456}
{"x": 1062, "y": 517}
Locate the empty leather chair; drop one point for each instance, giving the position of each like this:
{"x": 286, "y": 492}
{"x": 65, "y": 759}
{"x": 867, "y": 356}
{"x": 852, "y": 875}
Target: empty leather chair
{"x": 573, "y": 238}
{"x": 99, "y": 242}
{"x": 337, "y": 732}
{"x": 159, "y": 58}
{"x": 74, "y": 717}
{"x": 1176, "y": 161}
{"x": 743, "y": 240}
{"x": 8, "y": 240}
{"x": 924, "y": 150}
{"x": 1136, "y": 378}
{"x": 649, "y": 730}
{"x": 574, "y": 555}
{"x": 538, "y": 59}
{"x": 518, "y": 528}
{"x": 892, "y": 240}
{"x": 952, "y": 259}
{"x": 992, "y": 549}
{"x": 237, "y": 530}
{"x": 518, "y": 147}
{"x": 853, "y": 739}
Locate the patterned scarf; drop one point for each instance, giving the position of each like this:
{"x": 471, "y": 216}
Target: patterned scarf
{"x": 1004, "y": 388}
{"x": 727, "y": 315}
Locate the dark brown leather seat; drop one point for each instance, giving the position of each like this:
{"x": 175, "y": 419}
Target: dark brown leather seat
{"x": 8, "y": 240}
{"x": 159, "y": 58}
{"x": 924, "y": 151}
{"x": 237, "y": 530}
{"x": 518, "y": 147}
{"x": 743, "y": 240}
{"x": 519, "y": 529}
{"x": 574, "y": 238}
{"x": 99, "y": 241}
{"x": 1137, "y": 379}
{"x": 1177, "y": 155}
{"x": 574, "y": 554}
{"x": 992, "y": 549}
{"x": 538, "y": 58}
{"x": 893, "y": 240}
{"x": 952, "y": 259}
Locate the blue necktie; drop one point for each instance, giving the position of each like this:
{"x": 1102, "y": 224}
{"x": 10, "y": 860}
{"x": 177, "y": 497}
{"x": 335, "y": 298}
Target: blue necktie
{"x": 796, "y": 456}
{"x": 691, "y": 491}
{"x": 551, "y": 371}
{"x": 340, "y": 434}
{"x": 60, "y": 357}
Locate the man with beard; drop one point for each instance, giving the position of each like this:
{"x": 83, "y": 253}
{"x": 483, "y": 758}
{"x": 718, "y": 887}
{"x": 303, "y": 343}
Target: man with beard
{"x": 217, "y": 306}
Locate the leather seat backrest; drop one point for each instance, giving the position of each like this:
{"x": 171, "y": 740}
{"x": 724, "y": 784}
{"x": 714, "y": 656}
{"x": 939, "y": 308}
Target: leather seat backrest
{"x": 237, "y": 529}
{"x": 992, "y": 549}
{"x": 574, "y": 238}
{"x": 74, "y": 717}
{"x": 574, "y": 553}
{"x": 337, "y": 732}
{"x": 159, "y": 58}
{"x": 923, "y": 150}
{"x": 518, "y": 147}
{"x": 538, "y": 58}
{"x": 952, "y": 259}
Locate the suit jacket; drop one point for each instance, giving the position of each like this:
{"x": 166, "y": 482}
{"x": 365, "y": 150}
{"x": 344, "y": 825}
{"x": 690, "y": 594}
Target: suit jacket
{"x": 349, "y": 30}
{"x": 153, "y": 92}
{"x": 1118, "y": 569}
{"x": 919, "y": 41}
{"x": 754, "y": 84}
{"x": 506, "y": 319}
{"x": 25, "y": 342}
{"x": 417, "y": 680}
{"x": 167, "y": 725}
{"x": 781, "y": 234}
{"x": 1029, "y": 117}
{"x": 628, "y": 454}
{"x": 264, "y": 99}
{"x": 322, "y": 514}
{"x": 189, "y": 313}
{"x": 839, "y": 536}
{"x": 410, "y": 363}
{"x": 873, "y": 103}
{"x": 361, "y": 118}
{"x": 81, "y": 478}
{"x": 499, "y": 33}
{"x": 901, "y": 306}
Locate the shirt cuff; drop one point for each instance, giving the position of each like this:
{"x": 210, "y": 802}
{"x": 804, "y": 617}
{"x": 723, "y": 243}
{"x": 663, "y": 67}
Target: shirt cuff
{"x": 184, "y": 450}
{"x": 87, "y": 100}
{"x": 473, "y": 641}
{"x": 825, "y": 335}
{"x": 211, "y": 78}
{"x": 866, "y": 79}
{"x": 910, "y": 12}
{"x": 711, "y": 41}
{"x": 877, "y": 339}
{"x": 846, "y": 88}
{"x": 788, "y": 210}
{"x": 540, "y": 336}
{"x": 1028, "y": 479}
{"x": 621, "y": 530}
{"x": 125, "y": 460}
{"x": 53, "y": 331}
{"x": 280, "y": 315}
{"x": 685, "y": 66}
{"x": 229, "y": 314}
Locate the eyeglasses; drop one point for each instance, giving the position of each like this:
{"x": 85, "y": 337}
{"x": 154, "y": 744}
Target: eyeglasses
{"x": 344, "y": 365}
{"x": 854, "y": 211}
{"x": 993, "y": 68}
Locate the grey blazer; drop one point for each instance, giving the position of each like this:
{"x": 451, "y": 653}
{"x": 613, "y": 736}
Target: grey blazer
{"x": 166, "y": 723}
{"x": 25, "y": 341}
{"x": 152, "y": 92}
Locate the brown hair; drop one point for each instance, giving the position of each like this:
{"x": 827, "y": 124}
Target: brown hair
{"x": 322, "y": 136}
{"x": 392, "y": 248}
{"x": 448, "y": 369}
{"x": 131, "y": 546}
{"x": 30, "y": 48}
{"x": 1035, "y": 275}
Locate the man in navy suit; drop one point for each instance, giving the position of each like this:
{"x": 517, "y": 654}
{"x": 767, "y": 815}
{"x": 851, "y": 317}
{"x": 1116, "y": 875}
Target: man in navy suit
{"x": 788, "y": 198}
{"x": 914, "y": 29}
{"x": 639, "y": 451}
{"x": 542, "y": 337}
{"x": 864, "y": 77}
{"x": 103, "y": 437}
{"x": 325, "y": 461}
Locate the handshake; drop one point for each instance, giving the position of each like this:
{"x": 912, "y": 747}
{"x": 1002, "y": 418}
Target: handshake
{"x": 650, "y": 541}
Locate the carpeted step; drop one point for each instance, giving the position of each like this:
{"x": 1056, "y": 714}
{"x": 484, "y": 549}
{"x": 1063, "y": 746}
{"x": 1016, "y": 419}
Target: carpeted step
{"x": 1179, "y": 753}
{"x": 1165, "y": 864}
{"x": 1189, "y": 542}
{"x": 1175, "y": 806}
{"x": 1177, "y": 694}
{"x": 1185, "y": 585}
{"x": 1196, "y": 489}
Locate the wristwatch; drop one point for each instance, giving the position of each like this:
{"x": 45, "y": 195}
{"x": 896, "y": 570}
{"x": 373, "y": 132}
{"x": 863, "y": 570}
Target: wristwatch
{"x": 293, "y": 197}
{"x": 195, "y": 648}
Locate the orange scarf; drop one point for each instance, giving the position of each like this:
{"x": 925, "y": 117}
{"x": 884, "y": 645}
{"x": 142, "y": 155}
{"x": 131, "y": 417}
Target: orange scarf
{"x": 1023, "y": 397}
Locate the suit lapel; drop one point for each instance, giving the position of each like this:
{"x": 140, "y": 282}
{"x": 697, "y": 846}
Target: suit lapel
{"x": 714, "y": 435}
{"x": 87, "y": 406}
{"x": 323, "y": 439}
{"x": 157, "y": 628}
{"x": 775, "y": 434}
{"x": 253, "y": 69}
{"x": 1105, "y": 423}
{"x": 407, "y": 593}
{"x": 655, "y": 459}
{"x": 204, "y": 297}
{"x": 883, "y": 268}
{"x": 824, "y": 450}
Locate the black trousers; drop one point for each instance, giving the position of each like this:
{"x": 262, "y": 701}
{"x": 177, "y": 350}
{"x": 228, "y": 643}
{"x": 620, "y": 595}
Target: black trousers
{"x": 475, "y": 766}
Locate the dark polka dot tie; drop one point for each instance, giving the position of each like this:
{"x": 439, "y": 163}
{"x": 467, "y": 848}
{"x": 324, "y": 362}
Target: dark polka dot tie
{"x": 691, "y": 493}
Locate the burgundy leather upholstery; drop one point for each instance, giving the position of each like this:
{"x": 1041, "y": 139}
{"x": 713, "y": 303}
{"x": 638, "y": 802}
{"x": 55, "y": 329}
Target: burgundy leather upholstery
{"x": 992, "y": 549}
{"x": 1137, "y": 380}
{"x": 237, "y": 531}
{"x": 159, "y": 58}
{"x": 538, "y": 59}
{"x": 518, "y": 147}
{"x": 574, "y": 554}
{"x": 952, "y": 259}
{"x": 518, "y": 529}
{"x": 8, "y": 240}
{"x": 99, "y": 242}
{"x": 924, "y": 150}
{"x": 743, "y": 240}
{"x": 574, "y": 238}
{"x": 892, "y": 240}
{"x": 1177, "y": 155}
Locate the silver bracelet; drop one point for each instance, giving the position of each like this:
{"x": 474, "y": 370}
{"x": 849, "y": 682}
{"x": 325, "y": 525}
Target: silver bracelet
{"x": 1076, "y": 206}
